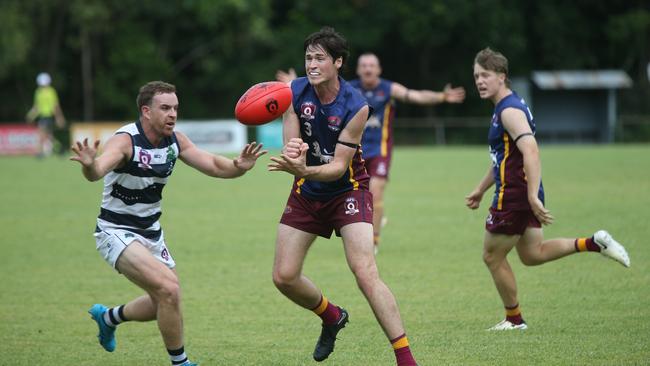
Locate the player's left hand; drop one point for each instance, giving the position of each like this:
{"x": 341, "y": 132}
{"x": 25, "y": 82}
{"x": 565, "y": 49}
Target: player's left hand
{"x": 296, "y": 166}
{"x": 543, "y": 215}
{"x": 249, "y": 155}
{"x": 454, "y": 95}
{"x": 286, "y": 76}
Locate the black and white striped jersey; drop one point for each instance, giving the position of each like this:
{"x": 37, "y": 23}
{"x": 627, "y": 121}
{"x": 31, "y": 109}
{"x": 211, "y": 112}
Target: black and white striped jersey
{"x": 132, "y": 194}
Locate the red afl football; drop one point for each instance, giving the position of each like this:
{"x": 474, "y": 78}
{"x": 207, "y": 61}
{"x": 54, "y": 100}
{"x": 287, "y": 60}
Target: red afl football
{"x": 263, "y": 103}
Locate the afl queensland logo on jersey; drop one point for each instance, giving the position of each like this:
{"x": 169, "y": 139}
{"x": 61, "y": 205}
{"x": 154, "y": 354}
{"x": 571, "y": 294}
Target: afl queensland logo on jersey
{"x": 145, "y": 159}
{"x": 308, "y": 111}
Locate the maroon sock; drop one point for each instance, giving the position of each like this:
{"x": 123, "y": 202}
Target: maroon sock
{"x": 513, "y": 314}
{"x": 586, "y": 245}
{"x": 402, "y": 350}
{"x": 327, "y": 311}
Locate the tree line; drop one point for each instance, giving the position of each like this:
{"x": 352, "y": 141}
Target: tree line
{"x": 100, "y": 52}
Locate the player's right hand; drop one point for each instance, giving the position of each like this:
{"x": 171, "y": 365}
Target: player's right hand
{"x": 473, "y": 200}
{"x": 541, "y": 213}
{"x": 85, "y": 154}
{"x": 294, "y": 147}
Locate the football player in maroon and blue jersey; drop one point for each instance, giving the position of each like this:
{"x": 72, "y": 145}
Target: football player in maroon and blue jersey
{"x": 377, "y": 141}
{"x": 322, "y": 131}
{"x": 518, "y": 212}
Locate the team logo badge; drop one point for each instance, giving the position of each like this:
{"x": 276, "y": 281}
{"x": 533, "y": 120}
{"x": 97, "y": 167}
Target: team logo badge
{"x": 288, "y": 210}
{"x": 489, "y": 220}
{"x": 271, "y": 106}
{"x": 171, "y": 154}
{"x": 164, "y": 254}
{"x": 145, "y": 159}
{"x": 308, "y": 111}
{"x": 324, "y": 156}
{"x": 380, "y": 96}
{"x": 351, "y": 206}
{"x": 373, "y": 122}
{"x": 334, "y": 123}
{"x": 381, "y": 168}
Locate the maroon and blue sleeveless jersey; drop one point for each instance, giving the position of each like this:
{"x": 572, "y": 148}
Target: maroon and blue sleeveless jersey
{"x": 511, "y": 191}
{"x": 377, "y": 138}
{"x": 320, "y": 127}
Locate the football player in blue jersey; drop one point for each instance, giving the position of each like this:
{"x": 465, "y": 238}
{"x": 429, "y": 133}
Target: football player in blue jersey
{"x": 517, "y": 211}
{"x": 135, "y": 164}
{"x": 322, "y": 130}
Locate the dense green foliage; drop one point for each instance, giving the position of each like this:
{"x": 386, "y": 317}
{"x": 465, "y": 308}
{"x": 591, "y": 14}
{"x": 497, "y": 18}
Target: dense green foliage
{"x": 582, "y": 310}
{"x": 100, "y": 52}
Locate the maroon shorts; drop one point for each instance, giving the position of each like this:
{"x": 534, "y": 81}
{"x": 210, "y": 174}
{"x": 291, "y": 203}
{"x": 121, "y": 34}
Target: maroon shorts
{"x": 323, "y": 217}
{"x": 510, "y": 222}
{"x": 378, "y": 166}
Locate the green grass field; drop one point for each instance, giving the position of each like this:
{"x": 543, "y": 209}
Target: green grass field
{"x": 582, "y": 310}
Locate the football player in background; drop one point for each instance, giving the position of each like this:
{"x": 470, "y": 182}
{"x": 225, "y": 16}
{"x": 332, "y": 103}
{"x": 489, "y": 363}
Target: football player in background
{"x": 517, "y": 211}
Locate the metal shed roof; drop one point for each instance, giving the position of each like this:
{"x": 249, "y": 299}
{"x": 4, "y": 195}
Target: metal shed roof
{"x": 581, "y": 79}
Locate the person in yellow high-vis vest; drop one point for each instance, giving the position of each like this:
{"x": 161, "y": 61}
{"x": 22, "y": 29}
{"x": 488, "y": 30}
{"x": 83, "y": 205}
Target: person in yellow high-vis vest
{"x": 46, "y": 112}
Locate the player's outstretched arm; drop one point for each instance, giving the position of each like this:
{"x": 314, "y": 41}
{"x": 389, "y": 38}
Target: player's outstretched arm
{"x": 116, "y": 152}
{"x": 427, "y": 97}
{"x": 216, "y": 165}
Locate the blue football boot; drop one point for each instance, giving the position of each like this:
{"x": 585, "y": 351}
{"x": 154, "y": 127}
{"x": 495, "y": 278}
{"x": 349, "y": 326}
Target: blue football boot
{"x": 106, "y": 333}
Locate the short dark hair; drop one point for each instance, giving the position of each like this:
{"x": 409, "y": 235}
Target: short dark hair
{"x": 331, "y": 41}
{"x": 148, "y": 90}
{"x": 493, "y": 61}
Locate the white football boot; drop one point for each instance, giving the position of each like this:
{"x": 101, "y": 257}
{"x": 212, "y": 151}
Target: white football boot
{"x": 611, "y": 248}
{"x": 507, "y": 325}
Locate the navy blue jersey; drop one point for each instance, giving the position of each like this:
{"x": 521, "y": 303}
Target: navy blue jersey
{"x": 320, "y": 127}
{"x": 511, "y": 192}
{"x": 378, "y": 136}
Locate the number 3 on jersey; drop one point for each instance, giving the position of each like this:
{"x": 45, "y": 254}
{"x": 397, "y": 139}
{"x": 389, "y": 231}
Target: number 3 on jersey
{"x": 308, "y": 129}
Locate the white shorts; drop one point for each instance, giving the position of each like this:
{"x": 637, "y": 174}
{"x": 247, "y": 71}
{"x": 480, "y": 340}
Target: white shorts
{"x": 112, "y": 242}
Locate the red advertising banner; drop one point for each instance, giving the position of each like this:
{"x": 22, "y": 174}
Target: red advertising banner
{"x": 18, "y": 140}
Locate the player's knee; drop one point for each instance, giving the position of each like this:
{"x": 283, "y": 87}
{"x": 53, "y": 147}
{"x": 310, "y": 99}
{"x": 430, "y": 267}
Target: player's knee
{"x": 284, "y": 279}
{"x": 366, "y": 276}
{"x": 530, "y": 260}
{"x": 168, "y": 292}
{"x": 491, "y": 259}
